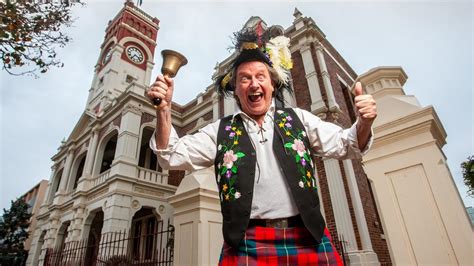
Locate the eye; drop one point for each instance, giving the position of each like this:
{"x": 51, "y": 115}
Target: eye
{"x": 261, "y": 77}
{"x": 244, "y": 79}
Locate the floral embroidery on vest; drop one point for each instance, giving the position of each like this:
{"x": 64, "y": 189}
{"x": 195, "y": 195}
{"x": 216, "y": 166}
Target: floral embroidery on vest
{"x": 228, "y": 168}
{"x": 295, "y": 146}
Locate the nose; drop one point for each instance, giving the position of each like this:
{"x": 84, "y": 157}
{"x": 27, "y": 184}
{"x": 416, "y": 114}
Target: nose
{"x": 254, "y": 83}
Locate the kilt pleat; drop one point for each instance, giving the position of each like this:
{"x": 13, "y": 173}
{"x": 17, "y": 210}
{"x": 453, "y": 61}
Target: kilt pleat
{"x": 275, "y": 246}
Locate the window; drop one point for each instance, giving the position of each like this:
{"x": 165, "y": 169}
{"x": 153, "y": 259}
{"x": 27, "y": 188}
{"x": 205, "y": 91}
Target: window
{"x": 144, "y": 232}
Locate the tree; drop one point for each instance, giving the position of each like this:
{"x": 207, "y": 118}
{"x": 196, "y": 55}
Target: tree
{"x": 13, "y": 233}
{"x": 468, "y": 174}
{"x": 30, "y": 32}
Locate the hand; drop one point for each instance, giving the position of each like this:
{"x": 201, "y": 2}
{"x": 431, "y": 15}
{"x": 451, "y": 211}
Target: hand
{"x": 365, "y": 104}
{"x": 162, "y": 88}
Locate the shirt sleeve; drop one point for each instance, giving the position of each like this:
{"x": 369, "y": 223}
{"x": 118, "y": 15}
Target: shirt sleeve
{"x": 190, "y": 152}
{"x": 330, "y": 140}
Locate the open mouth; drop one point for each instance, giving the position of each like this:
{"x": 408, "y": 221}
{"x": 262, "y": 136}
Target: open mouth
{"x": 255, "y": 97}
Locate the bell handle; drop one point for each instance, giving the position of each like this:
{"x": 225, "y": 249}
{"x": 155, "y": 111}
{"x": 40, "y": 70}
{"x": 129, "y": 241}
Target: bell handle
{"x": 157, "y": 100}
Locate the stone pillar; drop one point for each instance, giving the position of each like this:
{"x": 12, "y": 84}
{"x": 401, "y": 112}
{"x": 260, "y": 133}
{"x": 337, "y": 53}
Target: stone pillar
{"x": 215, "y": 106}
{"x": 91, "y": 152}
{"x": 117, "y": 213}
{"x": 149, "y": 68}
{"x": 77, "y": 222}
{"x": 333, "y": 106}
{"x": 125, "y": 162}
{"x": 340, "y": 206}
{"x": 66, "y": 171}
{"x": 317, "y": 103}
{"x": 36, "y": 247}
{"x": 52, "y": 232}
{"x": 49, "y": 191}
{"x": 423, "y": 217}
{"x": 197, "y": 220}
{"x": 366, "y": 256}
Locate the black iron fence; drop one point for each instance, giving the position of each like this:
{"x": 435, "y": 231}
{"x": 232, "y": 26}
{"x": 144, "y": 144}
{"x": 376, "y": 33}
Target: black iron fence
{"x": 150, "y": 245}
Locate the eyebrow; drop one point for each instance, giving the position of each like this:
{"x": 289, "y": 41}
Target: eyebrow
{"x": 261, "y": 71}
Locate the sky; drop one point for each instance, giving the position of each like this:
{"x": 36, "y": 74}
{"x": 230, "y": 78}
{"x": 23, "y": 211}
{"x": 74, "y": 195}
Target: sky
{"x": 430, "y": 40}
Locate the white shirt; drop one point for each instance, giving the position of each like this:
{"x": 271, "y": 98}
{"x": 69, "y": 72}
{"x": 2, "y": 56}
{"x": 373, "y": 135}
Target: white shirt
{"x": 271, "y": 198}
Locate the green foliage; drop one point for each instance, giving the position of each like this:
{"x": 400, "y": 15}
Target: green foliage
{"x": 468, "y": 174}
{"x": 13, "y": 233}
{"x": 29, "y": 34}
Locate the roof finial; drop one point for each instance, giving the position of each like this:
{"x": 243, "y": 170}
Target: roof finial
{"x": 297, "y": 14}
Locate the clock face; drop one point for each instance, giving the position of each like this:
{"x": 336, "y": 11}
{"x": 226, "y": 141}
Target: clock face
{"x": 135, "y": 54}
{"x": 107, "y": 56}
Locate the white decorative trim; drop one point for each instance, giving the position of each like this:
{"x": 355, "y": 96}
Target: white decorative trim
{"x": 317, "y": 103}
{"x": 137, "y": 41}
{"x": 326, "y": 79}
{"x": 357, "y": 205}
{"x": 340, "y": 207}
{"x": 337, "y": 62}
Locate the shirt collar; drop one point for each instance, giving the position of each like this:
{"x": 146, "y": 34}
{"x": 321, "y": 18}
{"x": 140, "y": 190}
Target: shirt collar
{"x": 239, "y": 111}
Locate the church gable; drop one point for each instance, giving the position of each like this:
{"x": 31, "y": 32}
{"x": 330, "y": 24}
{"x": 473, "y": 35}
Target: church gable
{"x": 81, "y": 127}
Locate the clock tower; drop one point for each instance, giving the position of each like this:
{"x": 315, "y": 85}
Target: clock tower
{"x": 126, "y": 56}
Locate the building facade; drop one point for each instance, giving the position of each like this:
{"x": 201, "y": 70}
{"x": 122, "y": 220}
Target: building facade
{"x": 105, "y": 178}
{"x": 34, "y": 198}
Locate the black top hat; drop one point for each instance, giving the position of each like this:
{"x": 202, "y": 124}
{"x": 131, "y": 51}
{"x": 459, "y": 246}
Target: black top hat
{"x": 258, "y": 43}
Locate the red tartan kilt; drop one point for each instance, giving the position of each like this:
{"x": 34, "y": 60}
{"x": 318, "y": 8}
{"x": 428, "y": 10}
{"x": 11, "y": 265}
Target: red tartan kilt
{"x": 272, "y": 246}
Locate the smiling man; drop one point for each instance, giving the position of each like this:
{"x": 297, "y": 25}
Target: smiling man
{"x": 263, "y": 156}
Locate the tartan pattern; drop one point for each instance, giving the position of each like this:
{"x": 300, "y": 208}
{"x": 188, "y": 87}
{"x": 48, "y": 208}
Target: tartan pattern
{"x": 274, "y": 246}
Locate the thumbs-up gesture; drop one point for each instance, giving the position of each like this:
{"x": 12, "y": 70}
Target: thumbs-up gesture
{"x": 365, "y": 104}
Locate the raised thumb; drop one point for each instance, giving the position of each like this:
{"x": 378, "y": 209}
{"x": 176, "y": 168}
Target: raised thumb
{"x": 358, "y": 89}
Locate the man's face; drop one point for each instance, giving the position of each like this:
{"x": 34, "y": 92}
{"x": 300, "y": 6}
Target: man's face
{"x": 254, "y": 89}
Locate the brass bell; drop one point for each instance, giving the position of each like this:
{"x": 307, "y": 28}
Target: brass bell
{"x": 172, "y": 61}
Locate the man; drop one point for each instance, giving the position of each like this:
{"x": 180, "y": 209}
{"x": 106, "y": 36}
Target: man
{"x": 263, "y": 156}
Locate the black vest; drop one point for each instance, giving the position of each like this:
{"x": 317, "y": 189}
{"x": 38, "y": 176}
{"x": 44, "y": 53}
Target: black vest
{"x": 235, "y": 173}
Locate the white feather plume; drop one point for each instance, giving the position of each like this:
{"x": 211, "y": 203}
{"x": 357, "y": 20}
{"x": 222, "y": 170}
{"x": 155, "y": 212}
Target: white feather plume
{"x": 280, "y": 55}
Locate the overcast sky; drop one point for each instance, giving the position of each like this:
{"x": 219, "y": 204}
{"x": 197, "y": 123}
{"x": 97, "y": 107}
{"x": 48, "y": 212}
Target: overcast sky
{"x": 431, "y": 40}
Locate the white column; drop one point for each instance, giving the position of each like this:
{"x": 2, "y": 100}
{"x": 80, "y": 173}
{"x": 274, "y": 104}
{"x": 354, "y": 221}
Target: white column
{"x": 91, "y": 152}
{"x": 317, "y": 103}
{"x": 127, "y": 139}
{"x": 66, "y": 171}
{"x": 126, "y": 157}
{"x": 321, "y": 204}
{"x": 149, "y": 68}
{"x": 326, "y": 79}
{"x": 48, "y": 197}
{"x": 340, "y": 206}
{"x": 289, "y": 97}
{"x": 215, "y": 106}
{"x": 357, "y": 205}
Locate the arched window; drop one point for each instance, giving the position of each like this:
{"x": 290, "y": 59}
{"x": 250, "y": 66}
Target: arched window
{"x": 55, "y": 185}
{"x": 147, "y": 158}
{"x": 93, "y": 238}
{"x": 109, "y": 154}
{"x": 57, "y": 181}
{"x": 62, "y": 234}
{"x": 80, "y": 170}
{"x": 38, "y": 247}
{"x": 76, "y": 172}
{"x": 144, "y": 235}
